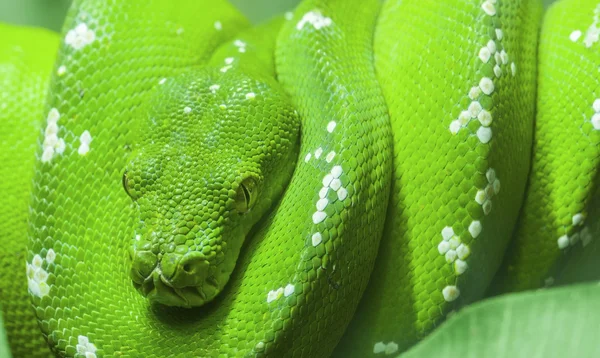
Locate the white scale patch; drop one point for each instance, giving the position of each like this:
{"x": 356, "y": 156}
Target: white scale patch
{"x": 85, "y": 347}
{"x": 37, "y": 276}
{"x": 493, "y": 50}
{"x": 241, "y": 45}
{"x": 451, "y": 246}
{"x": 80, "y": 36}
{"x": 450, "y": 293}
{"x": 454, "y": 250}
{"x": 52, "y": 143}
{"x": 484, "y": 196}
{"x": 218, "y": 26}
{"x": 385, "y": 348}
{"x": 592, "y": 35}
{"x": 85, "y": 139}
{"x": 286, "y": 291}
{"x": 316, "y": 19}
{"x": 582, "y": 233}
{"x": 595, "y": 120}
{"x": 61, "y": 71}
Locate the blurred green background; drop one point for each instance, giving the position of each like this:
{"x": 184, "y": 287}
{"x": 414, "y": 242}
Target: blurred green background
{"x": 50, "y": 13}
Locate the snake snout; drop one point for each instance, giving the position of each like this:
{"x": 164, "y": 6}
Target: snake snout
{"x": 186, "y": 270}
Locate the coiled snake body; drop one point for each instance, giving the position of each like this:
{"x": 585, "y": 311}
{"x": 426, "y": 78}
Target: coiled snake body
{"x": 203, "y": 189}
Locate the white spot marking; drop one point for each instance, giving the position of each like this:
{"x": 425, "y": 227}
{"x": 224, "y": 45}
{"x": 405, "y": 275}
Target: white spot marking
{"x": 274, "y": 294}
{"x": 288, "y": 290}
{"x": 226, "y": 68}
{"x": 80, "y": 36}
{"x": 596, "y": 105}
{"x": 450, "y": 293}
{"x": 307, "y": 158}
{"x": 330, "y": 156}
{"x": 214, "y": 88}
{"x": 455, "y": 127}
{"x": 335, "y": 184}
{"x": 187, "y": 110}
{"x": 450, "y": 256}
{"x": 489, "y": 8}
{"x": 563, "y": 242}
{"x": 491, "y": 45}
{"x": 85, "y": 139}
{"x": 327, "y": 179}
{"x": 596, "y": 121}
{"x": 499, "y": 34}
{"x": 315, "y": 18}
{"x": 342, "y": 194}
{"x": 50, "y": 256}
{"x": 318, "y": 152}
{"x": 578, "y": 219}
{"x": 480, "y": 197}
{"x": 387, "y": 349}
{"x": 250, "y": 95}
{"x": 229, "y": 60}
{"x": 454, "y": 242}
{"x": 460, "y": 266}
{"x": 336, "y": 171}
{"x": 474, "y": 109}
{"x": 447, "y": 233}
{"x": 487, "y": 207}
{"x": 61, "y": 70}
{"x": 475, "y": 228}
{"x": 322, "y": 204}
{"x": 496, "y": 186}
{"x": 85, "y": 348}
{"x": 484, "y": 134}
{"x": 316, "y": 239}
{"x": 475, "y": 92}
{"x": 319, "y": 216}
{"x": 331, "y": 126}
{"x": 443, "y": 247}
{"x": 486, "y": 85}
{"x": 575, "y": 35}
{"x": 218, "y": 25}
{"x": 463, "y": 251}
{"x": 379, "y": 347}
{"x": 323, "y": 192}
{"x": 484, "y": 54}
{"x": 513, "y": 68}
{"x": 485, "y": 118}
{"x": 497, "y": 71}
{"x": 504, "y": 57}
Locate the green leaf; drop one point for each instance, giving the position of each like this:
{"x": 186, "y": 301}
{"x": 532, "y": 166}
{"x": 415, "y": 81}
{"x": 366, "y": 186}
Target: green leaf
{"x": 558, "y": 322}
{"x": 4, "y": 348}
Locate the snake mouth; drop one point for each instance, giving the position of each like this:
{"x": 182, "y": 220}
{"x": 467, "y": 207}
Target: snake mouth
{"x": 159, "y": 289}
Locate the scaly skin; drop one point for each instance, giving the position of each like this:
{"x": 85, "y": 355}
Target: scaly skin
{"x": 440, "y": 175}
{"x": 564, "y": 177}
{"x": 26, "y": 59}
{"x": 134, "y": 106}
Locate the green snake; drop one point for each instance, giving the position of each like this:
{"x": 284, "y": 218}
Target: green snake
{"x": 336, "y": 182}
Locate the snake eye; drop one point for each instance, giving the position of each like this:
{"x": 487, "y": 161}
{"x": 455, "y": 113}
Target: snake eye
{"x": 246, "y": 195}
{"x": 126, "y": 185}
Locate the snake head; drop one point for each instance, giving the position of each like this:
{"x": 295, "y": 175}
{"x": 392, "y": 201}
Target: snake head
{"x": 210, "y": 162}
